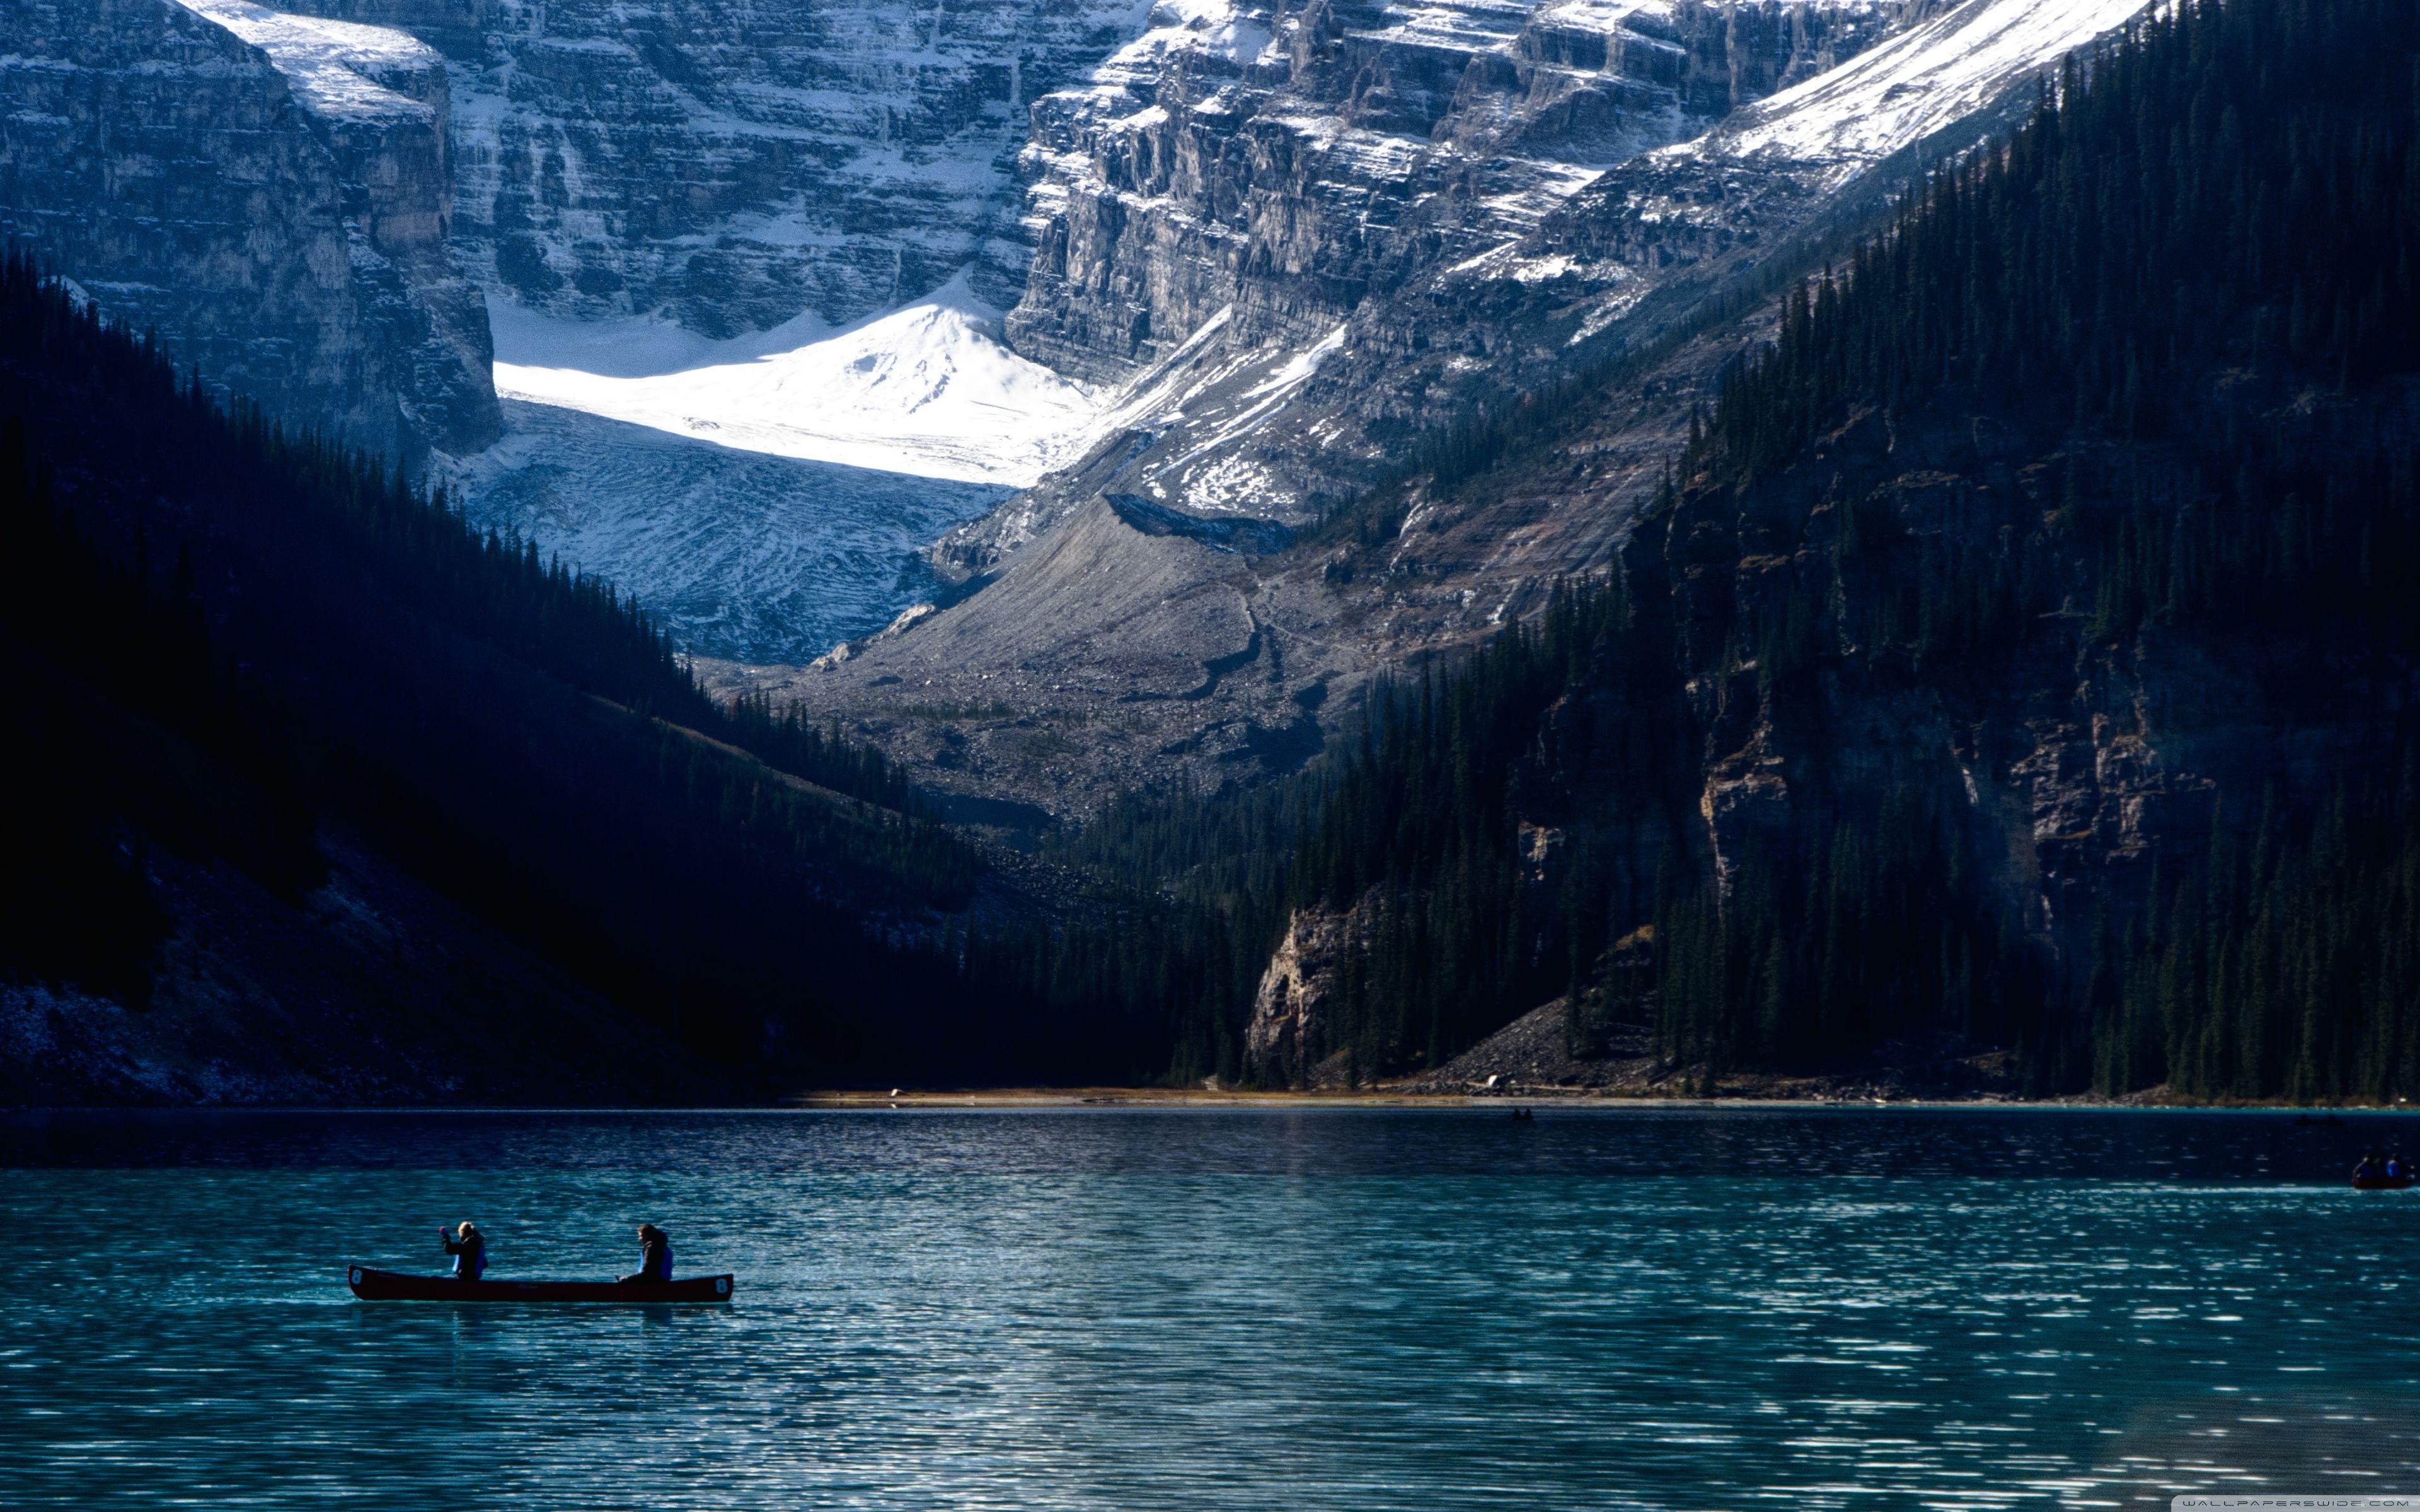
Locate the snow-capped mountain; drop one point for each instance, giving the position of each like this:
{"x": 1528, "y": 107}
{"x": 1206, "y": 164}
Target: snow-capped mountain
{"x": 1292, "y": 313}
{"x": 1211, "y": 256}
{"x": 1286, "y": 165}
{"x": 1348, "y": 338}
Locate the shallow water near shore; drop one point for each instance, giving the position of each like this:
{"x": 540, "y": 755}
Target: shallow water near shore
{"x": 1147, "y": 1308}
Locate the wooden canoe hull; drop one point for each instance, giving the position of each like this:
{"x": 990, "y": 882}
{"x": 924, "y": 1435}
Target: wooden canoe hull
{"x": 2382, "y": 1183}
{"x": 392, "y": 1285}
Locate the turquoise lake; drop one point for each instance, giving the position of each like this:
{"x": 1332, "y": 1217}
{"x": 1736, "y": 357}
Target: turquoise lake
{"x": 1135, "y": 1309}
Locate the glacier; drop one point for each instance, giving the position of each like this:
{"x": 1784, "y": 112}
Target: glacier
{"x": 925, "y": 389}
{"x": 744, "y": 556}
{"x": 771, "y": 494}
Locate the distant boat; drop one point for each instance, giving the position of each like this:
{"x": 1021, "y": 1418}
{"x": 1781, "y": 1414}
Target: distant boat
{"x": 391, "y": 1285}
{"x": 2380, "y": 1183}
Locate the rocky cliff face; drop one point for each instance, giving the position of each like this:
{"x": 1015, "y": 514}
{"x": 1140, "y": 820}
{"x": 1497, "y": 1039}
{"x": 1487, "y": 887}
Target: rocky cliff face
{"x": 734, "y": 163}
{"x": 1285, "y": 164}
{"x": 269, "y": 195}
{"x": 1285, "y": 1040}
{"x": 1313, "y": 257}
{"x": 1248, "y": 219}
{"x": 1435, "y": 309}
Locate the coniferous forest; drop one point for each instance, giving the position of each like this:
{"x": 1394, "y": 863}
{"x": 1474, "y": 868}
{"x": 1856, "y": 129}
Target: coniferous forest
{"x": 2111, "y": 424}
{"x": 227, "y": 643}
{"x": 2021, "y": 651}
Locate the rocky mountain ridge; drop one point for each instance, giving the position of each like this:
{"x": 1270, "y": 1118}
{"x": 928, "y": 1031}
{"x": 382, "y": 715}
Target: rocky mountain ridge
{"x": 271, "y": 195}
{"x": 733, "y": 164}
{"x": 1641, "y": 272}
{"x": 1229, "y": 232}
{"x": 1515, "y": 239}
{"x": 1309, "y": 241}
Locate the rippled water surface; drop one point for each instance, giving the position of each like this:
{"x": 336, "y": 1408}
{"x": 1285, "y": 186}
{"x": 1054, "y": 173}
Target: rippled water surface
{"x": 1143, "y": 1309}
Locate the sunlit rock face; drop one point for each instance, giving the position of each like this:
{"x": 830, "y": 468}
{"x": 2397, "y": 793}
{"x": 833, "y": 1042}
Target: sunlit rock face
{"x": 1244, "y": 216}
{"x": 1357, "y": 318}
{"x": 269, "y": 195}
{"x": 736, "y": 163}
{"x": 1312, "y": 242}
{"x": 1285, "y": 163}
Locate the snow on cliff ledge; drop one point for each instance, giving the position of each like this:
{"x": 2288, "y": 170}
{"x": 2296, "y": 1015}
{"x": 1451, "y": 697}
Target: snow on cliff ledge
{"x": 335, "y": 66}
{"x": 1923, "y": 80}
{"x": 927, "y": 388}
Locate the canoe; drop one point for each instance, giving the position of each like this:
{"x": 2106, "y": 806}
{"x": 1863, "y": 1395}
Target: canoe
{"x": 2380, "y": 1183}
{"x": 391, "y": 1285}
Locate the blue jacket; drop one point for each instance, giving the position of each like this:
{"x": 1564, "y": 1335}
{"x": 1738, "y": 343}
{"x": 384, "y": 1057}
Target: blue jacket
{"x": 469, "y": 1257}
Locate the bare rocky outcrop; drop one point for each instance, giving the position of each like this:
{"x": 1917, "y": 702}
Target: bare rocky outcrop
{"x": 1286, "y": 1041}
{"x": 272, "y": 197}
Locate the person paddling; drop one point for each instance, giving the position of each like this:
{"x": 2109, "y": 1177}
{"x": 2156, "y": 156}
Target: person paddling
{"x": 655, "y": 1256}
{"x": 469, "y": 1248}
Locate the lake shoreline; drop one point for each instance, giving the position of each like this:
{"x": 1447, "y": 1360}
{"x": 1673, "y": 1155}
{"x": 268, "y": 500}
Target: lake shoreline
{"x": 1299, "y": 1306}
{"x": 1073, "y": 1098}
{"x": 1044, "y": 1097}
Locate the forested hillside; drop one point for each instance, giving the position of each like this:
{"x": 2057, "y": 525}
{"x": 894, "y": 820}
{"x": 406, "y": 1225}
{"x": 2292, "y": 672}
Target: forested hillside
{"x": 2020, "y": 656}
{"x": 2021, "y": 653}
{"x": 232, "y": 655}
{"x": 2186, "y": 298}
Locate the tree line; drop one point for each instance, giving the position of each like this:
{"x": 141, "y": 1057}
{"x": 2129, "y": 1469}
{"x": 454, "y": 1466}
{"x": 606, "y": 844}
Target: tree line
{"x": 2155, "y": 350}
{"x": 2115, "y": 411}
{"x": 222, "y": 639}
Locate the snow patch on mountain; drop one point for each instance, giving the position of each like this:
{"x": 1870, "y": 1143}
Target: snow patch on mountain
{"x": 332, "y": 65}
{"x": 742, "y": 556}
{"x": 1171, "y": 29}
{"x": 1918, "y": 83}
{"x": 927, "y": 390}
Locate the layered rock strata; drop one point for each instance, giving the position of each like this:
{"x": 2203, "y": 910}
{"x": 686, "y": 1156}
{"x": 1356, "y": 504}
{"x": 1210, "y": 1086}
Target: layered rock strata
{"x": 1285, "y": 164}
{"x": 1632, "y": 266}
{"x": 271, "y": 195}
{"x": 732, "y": 164}
{"x": 1231, "y": 216}
{"x": 1313, "y": 258}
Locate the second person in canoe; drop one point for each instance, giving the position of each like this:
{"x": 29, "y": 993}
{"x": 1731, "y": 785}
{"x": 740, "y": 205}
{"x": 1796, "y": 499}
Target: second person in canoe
{"x": 655, "y": 1256}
